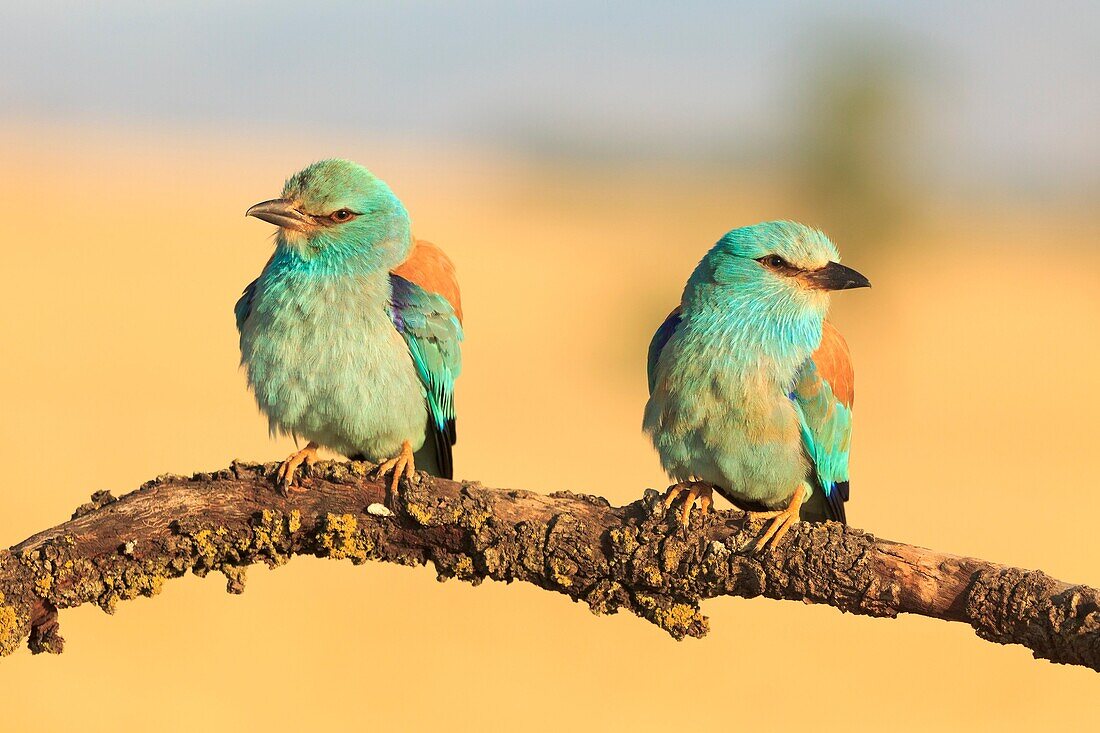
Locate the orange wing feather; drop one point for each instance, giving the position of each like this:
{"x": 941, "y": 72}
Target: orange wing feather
{"x": 834, "y": 364}
{"x": 430, "y": 268}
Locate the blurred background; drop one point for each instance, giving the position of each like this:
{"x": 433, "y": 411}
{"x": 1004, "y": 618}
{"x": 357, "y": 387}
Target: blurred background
{"x": 576, "y": 161}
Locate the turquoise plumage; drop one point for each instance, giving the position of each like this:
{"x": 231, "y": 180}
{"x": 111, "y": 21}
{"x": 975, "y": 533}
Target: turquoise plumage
{"x": 432, "y": 332}
{"x": 340, "y": 350}
{"x": 750, "y": 387}
{"x": 825, "y": 422}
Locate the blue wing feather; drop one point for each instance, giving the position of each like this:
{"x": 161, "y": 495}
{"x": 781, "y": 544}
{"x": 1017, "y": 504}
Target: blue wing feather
{"x": 433, "y": 333}
{"x": 657, "y": 345}
{"x": 244, "y": 304}
{"x": 826, "y": 425}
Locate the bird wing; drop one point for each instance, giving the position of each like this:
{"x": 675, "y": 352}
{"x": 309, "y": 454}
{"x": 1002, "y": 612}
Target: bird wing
{"x": 243, "y": 308}
{"x": 822, "y": 394}
{"x": 429, "y": 267}
{"x": 244, "y": 304}
{"x": 660, "y": 338}
{"x": 430, "y": 326}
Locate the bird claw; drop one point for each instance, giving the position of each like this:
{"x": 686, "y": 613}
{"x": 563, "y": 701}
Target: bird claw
{"x": 694, "y": 492}
{"x": 782, "y": 521}
{"x": 286, "y": 476}
{"x": 402, "y": 465}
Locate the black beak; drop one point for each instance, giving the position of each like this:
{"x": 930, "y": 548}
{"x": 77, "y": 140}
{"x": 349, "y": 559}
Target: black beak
{"x": 835, "y": 276}
{"x": 282, "y": 213}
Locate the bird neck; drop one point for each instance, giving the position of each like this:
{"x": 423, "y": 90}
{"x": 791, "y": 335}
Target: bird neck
{"x": 338, "y": 273}
{"x": 767, "y": 337}
{"x": 373, "y": 246}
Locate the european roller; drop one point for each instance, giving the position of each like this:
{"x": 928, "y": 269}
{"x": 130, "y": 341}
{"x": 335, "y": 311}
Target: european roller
{"x": 750, "y": 388}
{"x": 351, "y": 334}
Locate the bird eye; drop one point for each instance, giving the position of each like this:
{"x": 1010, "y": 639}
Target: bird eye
{"x": 342, "y": 215}
{"x": 775, "y": 262}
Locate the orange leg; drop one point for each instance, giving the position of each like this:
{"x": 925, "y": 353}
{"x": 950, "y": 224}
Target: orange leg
{"x": 401, "y": 465}
{"x": 288, "y": 471}
{"x": 694, "y": 491}
{"x": 782, "y": 520}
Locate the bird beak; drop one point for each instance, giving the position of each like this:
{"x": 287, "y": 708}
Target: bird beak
{"x": 835, "y": 276}
{"x": 282, "y": 213}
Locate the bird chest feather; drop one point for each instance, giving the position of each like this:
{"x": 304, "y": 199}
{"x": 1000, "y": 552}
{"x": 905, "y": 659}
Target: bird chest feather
{"x": 720, "y": 413}
{"x": 327, "y": 364}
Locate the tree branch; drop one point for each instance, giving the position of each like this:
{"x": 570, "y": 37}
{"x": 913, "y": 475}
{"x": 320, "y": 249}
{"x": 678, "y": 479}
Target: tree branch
{"x": 633, "y": 557}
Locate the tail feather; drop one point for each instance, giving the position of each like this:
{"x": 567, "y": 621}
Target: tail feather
{"x": 436, "y": 456}
{"x": 825, "y": 507}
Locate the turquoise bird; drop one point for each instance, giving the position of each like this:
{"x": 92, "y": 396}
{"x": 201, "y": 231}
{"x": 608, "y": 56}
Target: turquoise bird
{"x": 750, "y": 388}
{"x": 351, "y": 334}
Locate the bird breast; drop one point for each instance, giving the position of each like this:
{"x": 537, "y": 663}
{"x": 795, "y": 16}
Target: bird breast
{"x": 727, "y": 421}
{"x": 326, "y": 363}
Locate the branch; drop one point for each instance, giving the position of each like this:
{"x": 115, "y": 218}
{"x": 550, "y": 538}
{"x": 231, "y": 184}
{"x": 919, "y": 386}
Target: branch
{"x": 633, "y": 558}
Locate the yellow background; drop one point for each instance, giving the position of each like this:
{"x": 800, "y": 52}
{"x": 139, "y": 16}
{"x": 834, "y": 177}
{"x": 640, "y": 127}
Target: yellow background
{"x": 976, "y": 412}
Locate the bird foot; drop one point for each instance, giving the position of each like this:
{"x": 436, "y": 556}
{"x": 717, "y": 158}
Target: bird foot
{"x": 694, "y": 491}
{"x": 401, "y": 465}
{"x": 782, "y": 521}
{"x": 287, "y": 475}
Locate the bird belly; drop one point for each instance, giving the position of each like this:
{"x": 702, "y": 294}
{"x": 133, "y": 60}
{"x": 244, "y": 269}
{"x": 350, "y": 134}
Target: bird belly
{"x": 731, "y": 434}
{"x": 341, "y": 377}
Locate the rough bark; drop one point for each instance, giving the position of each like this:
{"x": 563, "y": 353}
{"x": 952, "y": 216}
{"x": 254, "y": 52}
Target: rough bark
{"x": 635, "y": 558}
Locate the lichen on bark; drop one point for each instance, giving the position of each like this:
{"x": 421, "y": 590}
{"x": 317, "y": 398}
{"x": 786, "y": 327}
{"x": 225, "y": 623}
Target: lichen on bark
{"x": 635, "y": 558}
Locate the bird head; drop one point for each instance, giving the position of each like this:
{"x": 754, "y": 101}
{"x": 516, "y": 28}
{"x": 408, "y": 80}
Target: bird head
{"x": 336, "y": 210}
{"x": 781, "y": 267}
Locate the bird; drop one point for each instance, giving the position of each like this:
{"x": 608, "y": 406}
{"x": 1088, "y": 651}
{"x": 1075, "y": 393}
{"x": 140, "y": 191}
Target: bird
{"x": 351, "y": 335}
{"x": 750, "y": 387}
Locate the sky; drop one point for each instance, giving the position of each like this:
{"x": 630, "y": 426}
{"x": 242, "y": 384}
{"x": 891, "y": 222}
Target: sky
{"x": 1005, "y": 91}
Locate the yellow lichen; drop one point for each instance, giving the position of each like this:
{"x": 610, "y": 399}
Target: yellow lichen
{"x": 464, "y": 567}
{"x": 651, "y": 574}
{"x": 340, "y": 538}
{"x": 419, "y": 513}
{"x": 203, "y": 546}
{"x": 108, "y": 603}
{"x": 43, "y": 585}
{"x": 10, "y": 629}
{"x": 262, "y": 532}
{"x": 678, "y": 619}
{"x": 561, "y": 572}
{"x": 271, "y": 535}
{"x": 154, "y": 584}
{"x": 673, "y": 551}
{"x": 677, "y": 616}
{"x": 624, "y": 540}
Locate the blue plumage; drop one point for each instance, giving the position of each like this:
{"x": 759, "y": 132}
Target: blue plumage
{"x": 339, "y": 350}
{"x": 431, "y": 329}
{"x": 826, "y": 429}
{"x": 750, "y": 388}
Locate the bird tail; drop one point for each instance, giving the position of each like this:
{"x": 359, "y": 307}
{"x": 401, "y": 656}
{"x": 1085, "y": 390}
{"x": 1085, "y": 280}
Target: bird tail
{"x": 821, "y": 506}
{"x": 435, "y": 456}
